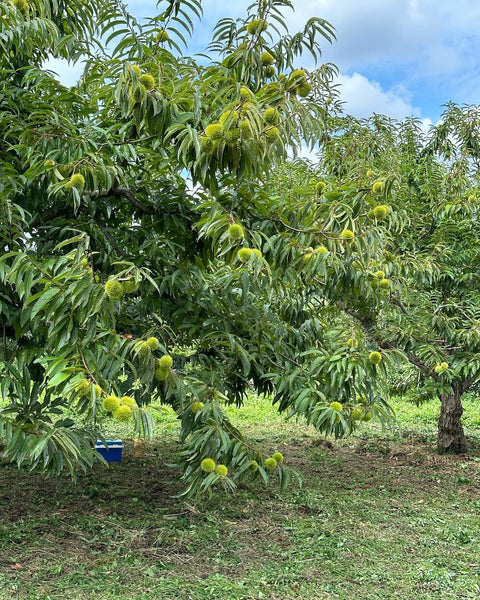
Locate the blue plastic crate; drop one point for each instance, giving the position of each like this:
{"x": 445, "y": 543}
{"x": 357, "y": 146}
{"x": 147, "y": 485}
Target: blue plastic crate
{"x": 112, "y": 452}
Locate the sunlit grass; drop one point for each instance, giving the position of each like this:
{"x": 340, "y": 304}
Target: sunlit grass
{"x": 380, "y": 516}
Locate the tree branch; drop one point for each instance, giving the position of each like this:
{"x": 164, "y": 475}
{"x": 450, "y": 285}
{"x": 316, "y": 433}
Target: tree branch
{"x": 463, "y": 387}
{"x": 49, "y": 215}
{"x": 368, "y": 326}
{"x": 273, "y": 219}
{"x": 66, "y": 211}
{"x": 400, "y": 305}
{"x": 123, "y": 192}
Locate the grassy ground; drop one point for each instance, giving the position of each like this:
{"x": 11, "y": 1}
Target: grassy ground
{"x": 380, "y": 515}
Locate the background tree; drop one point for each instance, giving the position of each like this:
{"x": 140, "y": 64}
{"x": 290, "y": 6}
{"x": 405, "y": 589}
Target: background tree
{"x": 420, "y": 189}
{"x": 151, "y": 251}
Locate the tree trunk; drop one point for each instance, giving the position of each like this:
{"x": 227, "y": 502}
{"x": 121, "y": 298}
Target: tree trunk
{"x": 451, "y": 437}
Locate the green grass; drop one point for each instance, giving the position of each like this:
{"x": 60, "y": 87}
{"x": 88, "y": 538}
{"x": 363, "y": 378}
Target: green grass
{"x": 380, "y": 515}
{"x": 426, "y": 415}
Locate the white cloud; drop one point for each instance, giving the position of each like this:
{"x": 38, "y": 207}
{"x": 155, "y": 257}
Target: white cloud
{"x": 384, "y": 30}
{"x": 371, "y": 30}
{"x": 66, "y": 73}
{"x": 363, "y": 97}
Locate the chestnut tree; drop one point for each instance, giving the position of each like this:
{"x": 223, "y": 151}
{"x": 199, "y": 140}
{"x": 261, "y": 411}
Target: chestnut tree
{"x": 155, "y": 246}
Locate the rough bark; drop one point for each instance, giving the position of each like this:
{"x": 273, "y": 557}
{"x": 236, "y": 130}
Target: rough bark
{"x": 451, "y": 437}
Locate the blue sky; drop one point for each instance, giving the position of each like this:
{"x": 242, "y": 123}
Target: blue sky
{"x": 396, "y": 57}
